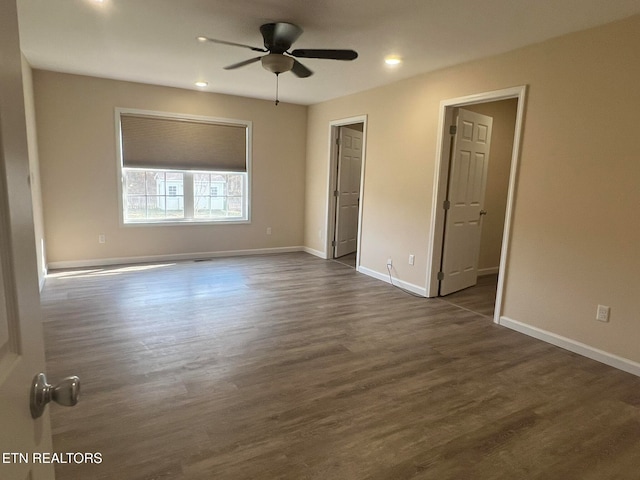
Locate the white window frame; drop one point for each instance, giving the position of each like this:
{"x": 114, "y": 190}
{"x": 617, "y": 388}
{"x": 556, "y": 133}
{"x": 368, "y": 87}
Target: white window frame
{"x": 188, "y": 184}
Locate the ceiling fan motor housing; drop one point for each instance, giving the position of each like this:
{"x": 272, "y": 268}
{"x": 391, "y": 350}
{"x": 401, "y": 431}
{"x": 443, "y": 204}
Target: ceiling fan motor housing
{"x": 278, "y": 37}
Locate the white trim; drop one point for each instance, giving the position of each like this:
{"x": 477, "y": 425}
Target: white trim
{"x": 331, "y": 182}
{"x": 316, "y": 253}
{"x": 588, "y": 351}
{"x": 488, "y": 271}
{"x": 396, "y": 282}
{"x": 98, "y": 262}
{"x": 434, "y": 252}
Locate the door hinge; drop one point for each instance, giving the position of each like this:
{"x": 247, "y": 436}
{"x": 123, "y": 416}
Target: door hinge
{"x": 440, "y": 276}
{"x": 336, "y": 193}
{"x": 453, "y": 129}
{"x": 446, "y": 204}
{"x": 337, "y": 140}
{"x": 333, "y": 243}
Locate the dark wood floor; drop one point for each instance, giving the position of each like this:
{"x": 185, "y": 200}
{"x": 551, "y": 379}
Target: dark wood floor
{"x": 291, "y": 367}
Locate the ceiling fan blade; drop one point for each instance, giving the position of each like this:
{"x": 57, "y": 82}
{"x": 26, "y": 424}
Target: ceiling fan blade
{"x": 224, "y": 42}
{"x": 278, "y": 37}
{"x": 242, "y": 64}
{"x": 300, "y": 70}
{"x": 327, "y": 54}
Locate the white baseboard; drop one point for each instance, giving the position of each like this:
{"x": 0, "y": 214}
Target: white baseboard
{"x": 601, "y": 356}
{"x": 317, "y": 253}
{"x": 488, "y": 271}
{"x": 385, "y": 278}
{"x": 100, "y": 262}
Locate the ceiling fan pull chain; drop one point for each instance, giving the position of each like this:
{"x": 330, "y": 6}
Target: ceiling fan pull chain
{"x": 277, "y": 82}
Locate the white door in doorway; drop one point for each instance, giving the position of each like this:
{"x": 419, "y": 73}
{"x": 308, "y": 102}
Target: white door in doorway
{"x": 465, "y": 200}
{"x": 21, "y": 343}
{"x": 348, "y": 191}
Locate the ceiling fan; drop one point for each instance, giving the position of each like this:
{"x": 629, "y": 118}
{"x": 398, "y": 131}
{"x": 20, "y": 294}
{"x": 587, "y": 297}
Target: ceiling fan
{"x": 278, "y": 38}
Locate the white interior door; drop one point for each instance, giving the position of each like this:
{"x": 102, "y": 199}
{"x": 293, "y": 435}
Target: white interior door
{"x": 348, "y": 191}
{"x": 467, "y": 183}
{"x": 21, "y": 343}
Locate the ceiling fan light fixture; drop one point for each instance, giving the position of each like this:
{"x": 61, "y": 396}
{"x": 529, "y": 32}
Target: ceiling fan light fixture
{"x": 277, "y": 63}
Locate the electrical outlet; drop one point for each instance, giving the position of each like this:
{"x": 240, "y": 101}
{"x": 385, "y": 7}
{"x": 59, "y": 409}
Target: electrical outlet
{"x": 268, "y": 230}
{"x": 412, "y": 259}
{"x": 602, "y": 314}
{"x": 102, "y": 238}
{"x": 389, "y": 262}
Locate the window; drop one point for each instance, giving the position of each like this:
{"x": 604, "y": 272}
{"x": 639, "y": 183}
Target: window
{"x": 153, "y": 195}
{"x": 217, "y": 195}
{"x": 183, "y": 169}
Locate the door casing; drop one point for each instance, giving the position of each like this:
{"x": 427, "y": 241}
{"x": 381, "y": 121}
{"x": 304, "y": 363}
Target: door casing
{"x": 436, "y": 229}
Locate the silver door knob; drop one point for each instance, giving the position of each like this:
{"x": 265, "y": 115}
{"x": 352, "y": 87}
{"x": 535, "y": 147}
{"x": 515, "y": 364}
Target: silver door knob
{"x": 67, "y": 393}
{"x": 483, "y": 212}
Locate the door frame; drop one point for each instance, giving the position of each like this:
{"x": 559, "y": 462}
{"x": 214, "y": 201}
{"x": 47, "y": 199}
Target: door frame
{"x": 332, "y": 175}
{"x": 436, "y": 229}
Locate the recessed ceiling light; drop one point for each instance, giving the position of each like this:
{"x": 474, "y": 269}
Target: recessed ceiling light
{"x": 393, "y": 60}
{"x": 202, "y": 84}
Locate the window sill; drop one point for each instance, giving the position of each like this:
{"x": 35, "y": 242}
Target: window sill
{"x": 183, "y": 223}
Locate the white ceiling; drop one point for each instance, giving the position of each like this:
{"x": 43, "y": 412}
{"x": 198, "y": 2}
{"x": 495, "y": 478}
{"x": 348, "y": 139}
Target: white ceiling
{"x": 153, "y": 41}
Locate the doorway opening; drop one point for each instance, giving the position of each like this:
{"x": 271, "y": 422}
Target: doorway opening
{"x": 345, "y": 196}
{"x": 449, "y": 110}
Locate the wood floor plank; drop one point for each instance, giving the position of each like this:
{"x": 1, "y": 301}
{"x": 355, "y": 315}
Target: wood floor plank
{"x": 291, "y": 367}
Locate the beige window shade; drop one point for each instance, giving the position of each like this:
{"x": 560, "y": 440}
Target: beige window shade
{"x": 153, "y": 142}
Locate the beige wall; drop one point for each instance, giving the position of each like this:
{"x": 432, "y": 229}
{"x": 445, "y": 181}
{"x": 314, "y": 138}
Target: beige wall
{"x": 34, "y": 170}
{"x": 576, "y": 231}
{"x": 495, "y": 200}
{"x": 76, "y": 135}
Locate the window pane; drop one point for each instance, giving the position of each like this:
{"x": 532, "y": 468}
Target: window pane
{"x": 134, "y": 181}
{"x": 219, "y": 196}
{"x": 155, "y": 207}
{"x": 154, "y": 183}
{"x": 174, "y": 207}
{"x": 235, "y": 184}
{"x": 202, "y": 207}
{"x": 136, "y": 207}
{"x": 200, "y": 183}
{"x": 235, "y": 207}
{"x": 173, "y": 177}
